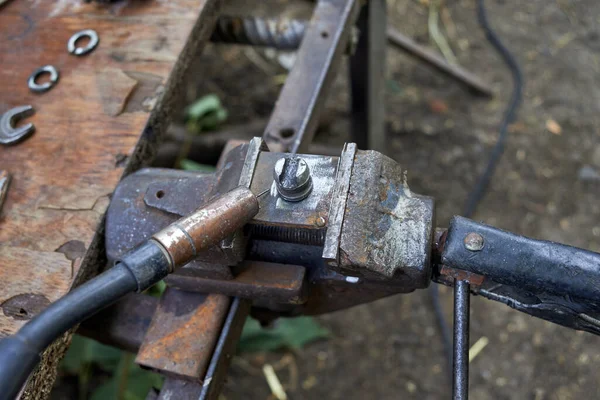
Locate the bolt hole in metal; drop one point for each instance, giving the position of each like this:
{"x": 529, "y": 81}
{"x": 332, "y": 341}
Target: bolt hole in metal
{"x": 83, "y": 42}
{"x": 37, "y": 77}
{"x": 324, "y": 34}
{"x": 160, "y": 194}
{"x": 287, "y": 133}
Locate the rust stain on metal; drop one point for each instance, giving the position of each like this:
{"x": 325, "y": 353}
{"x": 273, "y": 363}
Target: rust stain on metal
{"x": 457, "y": 274}
{"x": 183, "y": 333}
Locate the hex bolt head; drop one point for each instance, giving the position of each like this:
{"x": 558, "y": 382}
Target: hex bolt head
{"x": 474, "y": 242}
{"x": 292, "y": 178}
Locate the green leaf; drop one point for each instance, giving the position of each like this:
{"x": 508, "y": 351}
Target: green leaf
{"x": 84, "y": 352}
{"x": 190, "y": 165}
{"x": 286, "y": 333}
{"x": 106, "y": 391}
{"x": 393, "y": 86}
{"x": 130, "y": 382}
{"x": 206, "y": 113}
{"x": 157, "y": 290}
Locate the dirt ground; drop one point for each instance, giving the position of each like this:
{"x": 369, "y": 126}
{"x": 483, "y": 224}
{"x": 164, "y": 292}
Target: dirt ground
{"x": 546, "y": 186}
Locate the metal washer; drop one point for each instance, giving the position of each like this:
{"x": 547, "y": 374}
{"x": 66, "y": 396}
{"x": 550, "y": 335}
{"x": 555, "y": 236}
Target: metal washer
{"x": 36, "y": 87}
{"x": 80, "y": 51}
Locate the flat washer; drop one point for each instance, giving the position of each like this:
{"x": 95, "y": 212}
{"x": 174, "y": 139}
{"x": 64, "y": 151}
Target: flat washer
{"x": 36, "y": 87}
{"x": 80, "y": 51}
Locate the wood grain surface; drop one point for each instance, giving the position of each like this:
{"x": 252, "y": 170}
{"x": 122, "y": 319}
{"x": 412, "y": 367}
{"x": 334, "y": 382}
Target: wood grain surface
{"x": 100, "y": 121}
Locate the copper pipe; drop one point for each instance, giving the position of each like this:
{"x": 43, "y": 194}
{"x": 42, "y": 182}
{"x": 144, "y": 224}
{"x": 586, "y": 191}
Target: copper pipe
{"x": 188, "y": 236}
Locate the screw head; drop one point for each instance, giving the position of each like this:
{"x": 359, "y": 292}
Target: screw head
{"x": 292, "y": 178}
{"x": 474, "y": 242}
{"x": 321, "y": 222}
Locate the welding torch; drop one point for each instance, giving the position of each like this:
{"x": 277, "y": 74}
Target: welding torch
{"x": 165, "y": 251}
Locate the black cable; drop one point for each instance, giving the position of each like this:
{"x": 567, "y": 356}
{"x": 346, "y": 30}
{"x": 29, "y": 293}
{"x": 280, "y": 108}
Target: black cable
{"x": 482, "y": 183}
{"x": 20, "y": 353}
{"x": 511, "y": 111}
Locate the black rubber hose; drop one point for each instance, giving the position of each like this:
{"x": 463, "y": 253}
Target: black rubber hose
{"x": 482, "y": 183}
{"x": 20, "y": 353}
{"x": 509, "y": 115}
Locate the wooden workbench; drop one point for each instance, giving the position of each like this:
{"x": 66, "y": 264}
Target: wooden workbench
{"x": 100, "y": 121}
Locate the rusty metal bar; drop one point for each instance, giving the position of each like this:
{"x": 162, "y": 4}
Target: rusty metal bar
{"x": 296, "y": 114}
{"x": 281, "y": 283}
{"x": 183, "y": 333}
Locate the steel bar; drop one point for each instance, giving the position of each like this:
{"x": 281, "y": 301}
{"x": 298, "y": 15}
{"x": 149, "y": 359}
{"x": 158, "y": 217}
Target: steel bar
{"x": 438, "y": 62}
{"x": 460, "y": 364}
{"x": 225, "y": 349}
{"x": 253, "y": 280}
{"x": 367, "y": 78}
{"x": 183, "y": 333}
{"x": 300, "y": 104}
{"x": 179, "y": 389}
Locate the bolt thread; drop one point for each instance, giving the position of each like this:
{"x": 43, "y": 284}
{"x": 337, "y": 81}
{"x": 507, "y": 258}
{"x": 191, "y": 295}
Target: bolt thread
{"x": 284, "y": 34}
{"x": 312, "y": 237}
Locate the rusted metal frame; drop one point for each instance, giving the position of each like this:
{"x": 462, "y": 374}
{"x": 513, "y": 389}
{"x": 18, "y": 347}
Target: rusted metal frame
{"x": 367, "y": 78}
{"x": 300, "y": 104}
{"x": 285, "y": 34}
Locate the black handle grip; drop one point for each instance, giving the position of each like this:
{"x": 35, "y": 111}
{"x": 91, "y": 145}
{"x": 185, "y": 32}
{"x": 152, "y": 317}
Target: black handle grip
{"x": 548, "y": 280}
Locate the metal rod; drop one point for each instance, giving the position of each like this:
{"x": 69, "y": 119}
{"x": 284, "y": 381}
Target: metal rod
{"x": 367, "y": 78}
{"x": 453, "y": 71}
{"x": 460, "y": 368}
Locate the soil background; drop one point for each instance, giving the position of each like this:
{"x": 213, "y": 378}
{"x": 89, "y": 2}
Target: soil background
{"x": 546, "y": 186}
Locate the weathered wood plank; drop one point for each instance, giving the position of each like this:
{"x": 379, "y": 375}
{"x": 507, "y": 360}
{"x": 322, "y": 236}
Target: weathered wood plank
{"x": 100, "y": 121}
